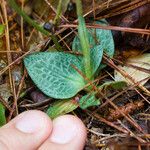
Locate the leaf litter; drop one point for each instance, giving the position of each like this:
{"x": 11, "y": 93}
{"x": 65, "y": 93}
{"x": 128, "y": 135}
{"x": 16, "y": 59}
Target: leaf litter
{"x": 101, "y": 97}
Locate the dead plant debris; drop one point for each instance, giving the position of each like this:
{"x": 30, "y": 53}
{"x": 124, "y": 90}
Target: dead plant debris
{"x": 122, "y": 120}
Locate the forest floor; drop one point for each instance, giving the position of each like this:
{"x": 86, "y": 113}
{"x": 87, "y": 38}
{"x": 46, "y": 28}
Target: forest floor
{"x": 122, "y": 120}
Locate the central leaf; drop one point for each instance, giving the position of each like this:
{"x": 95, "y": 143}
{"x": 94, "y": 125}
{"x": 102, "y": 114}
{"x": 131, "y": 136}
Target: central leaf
{"x": 54, "y": 73}
{"x": 100, "y": 41}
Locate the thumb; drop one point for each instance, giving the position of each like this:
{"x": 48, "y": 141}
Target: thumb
{"x": 27, "y": 131}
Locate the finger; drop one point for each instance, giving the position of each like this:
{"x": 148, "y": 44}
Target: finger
{"x": 69, "y": 133}
{"x": 25, "y": 132}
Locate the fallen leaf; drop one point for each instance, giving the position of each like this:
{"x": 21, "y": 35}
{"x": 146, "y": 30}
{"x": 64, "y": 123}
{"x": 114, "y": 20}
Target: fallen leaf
{"x": 141, "y": 61}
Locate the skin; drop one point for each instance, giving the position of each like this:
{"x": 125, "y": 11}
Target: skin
{"x": 34, "y": 130}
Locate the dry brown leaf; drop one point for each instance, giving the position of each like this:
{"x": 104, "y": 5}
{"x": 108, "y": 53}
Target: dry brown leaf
{"x": 141, "y": 61}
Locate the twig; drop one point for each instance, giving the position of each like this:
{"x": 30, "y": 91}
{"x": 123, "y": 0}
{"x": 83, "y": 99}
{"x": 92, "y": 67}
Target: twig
{"x": 108, "y": 27}
{"x": 107, "y": 122}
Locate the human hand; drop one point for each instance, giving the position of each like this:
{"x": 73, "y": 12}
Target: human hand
{"x": 34, "y": 130}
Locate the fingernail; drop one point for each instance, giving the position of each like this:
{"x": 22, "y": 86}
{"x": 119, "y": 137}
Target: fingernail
{"x": 64, "y": 130}
{"x": 29, "y": 122}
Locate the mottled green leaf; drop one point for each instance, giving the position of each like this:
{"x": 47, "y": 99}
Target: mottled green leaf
{"x": 97, "y": 37}
{"x": 2, "y": 115}
{"x": 61, "y": 107}
{"x": 54, "y": 74}
{"x": 96, "y": 57}
{"x": 88, "y": 101}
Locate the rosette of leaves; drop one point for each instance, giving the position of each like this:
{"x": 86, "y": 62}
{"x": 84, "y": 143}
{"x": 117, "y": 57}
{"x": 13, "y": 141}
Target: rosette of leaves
{"x": 62, "y": 75}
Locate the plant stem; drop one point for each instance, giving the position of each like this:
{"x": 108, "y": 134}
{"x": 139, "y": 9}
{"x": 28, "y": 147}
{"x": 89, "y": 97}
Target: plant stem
{"x": 83, "y": 36}
{"x": 13, "y": 4}
{"x": 59, "y": 12}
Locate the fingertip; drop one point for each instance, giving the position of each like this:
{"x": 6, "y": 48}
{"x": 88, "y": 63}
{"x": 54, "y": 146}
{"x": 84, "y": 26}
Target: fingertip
{"x": 66, "y": 128}
{"x": 69, "y": 133}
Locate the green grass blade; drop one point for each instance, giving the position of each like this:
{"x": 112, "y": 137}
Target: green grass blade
{"x": 83, "y": 36}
